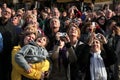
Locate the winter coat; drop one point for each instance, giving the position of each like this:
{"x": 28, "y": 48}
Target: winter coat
{"x": 109, "y": 58}
{"x": 36, "y": 72}
{"x": 62, "y": 58}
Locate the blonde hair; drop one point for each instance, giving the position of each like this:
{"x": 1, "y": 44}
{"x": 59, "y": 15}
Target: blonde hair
{"x": 31, "y": 28}
{"x": 77, "y": 28}
{"x": 30, "y": 16}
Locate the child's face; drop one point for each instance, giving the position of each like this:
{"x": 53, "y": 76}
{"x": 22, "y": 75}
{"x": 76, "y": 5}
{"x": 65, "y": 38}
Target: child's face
{"x": 42, "y": 41}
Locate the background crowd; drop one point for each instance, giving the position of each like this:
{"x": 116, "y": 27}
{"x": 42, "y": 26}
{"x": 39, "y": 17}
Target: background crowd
{"x": 54, "y": 44}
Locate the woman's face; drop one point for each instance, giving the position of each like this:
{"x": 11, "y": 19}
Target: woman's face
{"x": 64, "y": 14}
{"x": 90, "y": 29}
{"x": 73, "y": 32}
{"x": 30, "y": 30}
{"x": 109, "y": 14}
{"x": 112, "y": 25}
{"x": 101, "y": 21}
{"x": 96, "y": 46}
{"x": 29, "y": 38}
{"x": 29, "y": 19}
{"x": 15, "y": 21}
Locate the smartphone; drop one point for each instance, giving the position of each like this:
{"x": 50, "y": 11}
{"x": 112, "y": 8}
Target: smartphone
{"x": 93, "y": 23}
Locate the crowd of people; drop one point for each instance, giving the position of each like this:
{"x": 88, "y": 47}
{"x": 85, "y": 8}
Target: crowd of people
{"x": 50, "y": 44}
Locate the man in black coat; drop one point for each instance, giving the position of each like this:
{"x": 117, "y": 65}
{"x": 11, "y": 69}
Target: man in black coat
{"x": 117, "y": 12}
{"x": 8, "y": 33}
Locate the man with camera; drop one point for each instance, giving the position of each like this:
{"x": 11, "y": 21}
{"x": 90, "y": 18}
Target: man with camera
{"x": 54, "y": 28}
{"x": 62, "y": 56}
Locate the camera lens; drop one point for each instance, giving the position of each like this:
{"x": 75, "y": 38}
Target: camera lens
{"x": 98, "y": 36}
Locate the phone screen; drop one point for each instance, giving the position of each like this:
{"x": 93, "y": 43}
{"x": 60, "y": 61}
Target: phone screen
{"x": 93, "y": 23}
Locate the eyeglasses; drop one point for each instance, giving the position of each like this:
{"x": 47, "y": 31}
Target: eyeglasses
{"x": 7, "y": 12}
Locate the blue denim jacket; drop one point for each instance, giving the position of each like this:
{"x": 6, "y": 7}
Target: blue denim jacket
{"x": 1, "y": 42}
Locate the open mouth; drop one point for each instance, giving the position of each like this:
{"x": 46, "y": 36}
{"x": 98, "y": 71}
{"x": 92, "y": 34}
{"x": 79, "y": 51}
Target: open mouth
{"x": 54, "y": 27}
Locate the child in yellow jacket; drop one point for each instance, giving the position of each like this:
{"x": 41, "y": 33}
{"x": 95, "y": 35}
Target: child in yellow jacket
{"x": 36, "y": 70}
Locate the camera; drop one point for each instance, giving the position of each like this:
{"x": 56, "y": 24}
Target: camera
{"x": 98, "y": 36}
{"x": 63, "y": 34}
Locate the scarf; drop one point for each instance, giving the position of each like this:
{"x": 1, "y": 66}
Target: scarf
{"x": 63, "y": 58}
{"x": 97, "y": 67}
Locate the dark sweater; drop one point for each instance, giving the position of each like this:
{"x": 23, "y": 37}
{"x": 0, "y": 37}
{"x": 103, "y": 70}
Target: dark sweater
{"x": 8, "y": 32}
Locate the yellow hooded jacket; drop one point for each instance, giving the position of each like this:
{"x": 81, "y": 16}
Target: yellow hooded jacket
{"x": 37, "y": 68}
